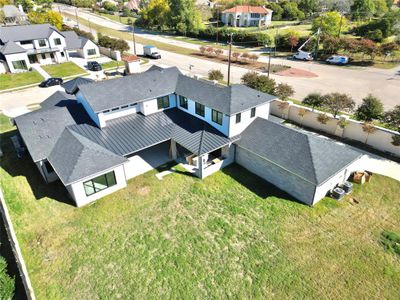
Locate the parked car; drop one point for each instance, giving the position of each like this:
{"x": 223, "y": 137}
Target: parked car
{"x": 151, "y": 51}
{"x": 338, "y": 60}
{"x": 302, "y": 55}
{"x": 51, "y": 82}
{"x": 94, "y": 66}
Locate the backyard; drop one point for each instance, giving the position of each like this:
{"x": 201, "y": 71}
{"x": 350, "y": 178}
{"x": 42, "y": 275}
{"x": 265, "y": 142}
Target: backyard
{"x": 230, "y": 235}
{"x": 15, "y": 80}
{"x": 66, "y": 69}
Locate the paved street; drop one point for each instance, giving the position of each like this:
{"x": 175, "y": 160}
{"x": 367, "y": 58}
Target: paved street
{"x": 355, "y": 81}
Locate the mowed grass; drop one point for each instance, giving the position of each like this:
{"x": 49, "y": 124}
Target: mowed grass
{"x": 231, "y": 235}
{"x": 15, "y": 80}
{"x": 64, "y": 70}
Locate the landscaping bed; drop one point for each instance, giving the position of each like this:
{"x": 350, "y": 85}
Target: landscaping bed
{"x": 15, "y": 80}
{"x": 231, "y": 235}
{"x": 64, "y": 70}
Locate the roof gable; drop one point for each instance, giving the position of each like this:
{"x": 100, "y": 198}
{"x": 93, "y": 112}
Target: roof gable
{"x": 11, "y": 48}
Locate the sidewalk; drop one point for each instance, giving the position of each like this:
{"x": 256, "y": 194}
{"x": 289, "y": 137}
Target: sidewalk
{"x": 42, "y": 72}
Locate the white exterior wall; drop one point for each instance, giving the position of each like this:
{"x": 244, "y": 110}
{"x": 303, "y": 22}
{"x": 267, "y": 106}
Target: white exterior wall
{"x": 245, "y": 19}
{"x": 77, "y": 191}
{"x": 338, "y": 179}
{"x": 16, "y": 57}
{"x": 224, "y": 128}
{"x": 150, "y": 106}
{"x": 262, "y": 111}
{"x": 131, "y": 109}
{"x": 45, "y": 61}
{"x": 81, "y": 99}
{"x": 84, "y": 51}
{"x": 228, "y": 152}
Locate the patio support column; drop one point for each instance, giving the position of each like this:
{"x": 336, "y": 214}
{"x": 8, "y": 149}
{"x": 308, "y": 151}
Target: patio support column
{"x": 173, "y": 150}
{"x": 201, "y": 167}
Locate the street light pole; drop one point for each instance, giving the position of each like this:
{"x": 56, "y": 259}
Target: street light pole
{"x": 133, "y": 38}
{"x": 229, "y": 59}
{"x": 269, "y": 61}
{"x": 76, "y": 16}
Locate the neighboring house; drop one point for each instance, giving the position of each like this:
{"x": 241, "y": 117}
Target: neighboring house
{"x": 22, "y": 46}
{"x": 13, "y": 15}
{"x": 84, "y": 47}
{"x": 133, "y": 5}
{"x": 246, "y": 15}
{"x": 111, "y": 131}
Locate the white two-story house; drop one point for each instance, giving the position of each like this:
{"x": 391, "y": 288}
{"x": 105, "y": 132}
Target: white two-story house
{"x": 108, "y": 132}
{"x": 22, "y": 46}
{"x": 246, "y": 15}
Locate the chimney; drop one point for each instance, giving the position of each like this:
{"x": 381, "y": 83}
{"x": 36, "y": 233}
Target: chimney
{"x": 20, "y": 8}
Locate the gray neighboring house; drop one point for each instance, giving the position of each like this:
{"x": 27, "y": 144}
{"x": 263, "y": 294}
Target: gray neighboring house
{"x": 25, "y": 45}
{"x": 14, "y": 15}
{"x": 108, "y": 132}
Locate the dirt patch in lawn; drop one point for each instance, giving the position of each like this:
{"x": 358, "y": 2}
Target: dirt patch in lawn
{"x": 294, "y": 72}
{"x": 144, "y": 190}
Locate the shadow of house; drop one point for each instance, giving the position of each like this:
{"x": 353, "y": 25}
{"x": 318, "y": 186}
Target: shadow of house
{"x": 25, "y": 167}
{"x": 255, "y": 184}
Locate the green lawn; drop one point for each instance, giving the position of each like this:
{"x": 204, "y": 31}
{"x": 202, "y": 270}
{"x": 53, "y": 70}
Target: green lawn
{"x": 64, "y": 70}
{"x": 229, "y": 236}
{"x": 116, "y": 18}
{"x": 112, "y": 64}
{"x": 15, "y": 80}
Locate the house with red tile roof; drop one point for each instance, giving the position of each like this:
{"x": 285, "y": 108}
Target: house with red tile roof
{"x": 246, "y": 15}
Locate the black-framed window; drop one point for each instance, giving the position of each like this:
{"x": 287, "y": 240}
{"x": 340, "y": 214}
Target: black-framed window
{"x": 99, "y": 183}
{"x": 216, "y": 116}
{"x": 163, "y": 102}
{"x": 52, "y": 55}
{"x": 238, "y": 117}
{"x": 57, "y": 41}
{"x": 253, "y": 112}
{"x": 183, "y": 102}
{"x": 42, "y": 43}
{"x": 200, "y": 109}
{"x": 91, "y": 52}
{"x": 49, "y": 168}
{"x": 27, "y": 42}
{"x": 254, "y": 15}
{"x": 43, "y": 56}
{"x": 20, "y": 65}
{"x": 62, "y": 54}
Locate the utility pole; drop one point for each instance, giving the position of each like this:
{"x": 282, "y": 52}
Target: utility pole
{"x": 90, "y": 26}
{"x": 133, "y": 37}
{"x": 76, "y": 16}
{"x": 217, "y": 24}
{"x": 318, "y": 37}
{"x": 276, "y": 34}
{"x": 269, "y": 61}
{"x": 229, "y": 59}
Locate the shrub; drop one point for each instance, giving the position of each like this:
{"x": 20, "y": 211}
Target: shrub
{"x": 202, "y": 50}
{"x": 215, "y": 75}
{"x": 370, "y": 109}
{"x": 390, "y": 241}
{"x": 392, "y": 117}
{"x": 79, "y": 32}
{"x": 284, "y": 91}
{"x": 259, "y": 82}
{"x": 337, "y": 102}
{"x": 7, "y": 284}
{"x": 114, "y": 44}
{"x": 323, "y": 118}
{"x": 218, "y": 52}
{"x": 314, "y": 100}
{"x": 396, "y": 140}
{"x": 236, "y": 55}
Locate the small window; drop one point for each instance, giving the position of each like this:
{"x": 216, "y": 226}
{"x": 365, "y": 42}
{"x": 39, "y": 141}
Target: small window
{"x": 125, "y": 106}
{"x": 114, "y": 109}
{"x": 49, "y": 168}
{"x": 62, "y": 54}
{"x": 91, "y": 52}
{"x": 216, "y": 117}
{"x": 132, "y": 105}
{"x": 163, "y": 102}
{"x": 42, "y": 43}
{"x": 43, "y": 56}
{"x": 183, "y": 102}
{"x": 238, "y": 117}
{"x": 26, "y": 42}
{"x": 253, "y": 112}
{"x": 106, "y": 111}
{"x": 99, "y": 183}
{"x": 52, "y": 55}
{"x": 200, "y": 109}
{"x": 57, "y": 41}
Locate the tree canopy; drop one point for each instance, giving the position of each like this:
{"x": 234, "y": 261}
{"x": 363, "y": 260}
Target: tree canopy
{"x": 259, "y": 82}
{"x": 329, "y": 23}
{"x": 51, "y": 17}
{"x": 362, "y": 9}
{"x": 370, "y": 109}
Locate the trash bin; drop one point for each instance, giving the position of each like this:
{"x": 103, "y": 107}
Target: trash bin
{"x": 347, "y": 187}
{"x": 338, "y": 193}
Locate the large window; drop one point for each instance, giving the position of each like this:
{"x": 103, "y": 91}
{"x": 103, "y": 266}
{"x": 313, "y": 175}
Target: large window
{"x": 183, "y": 102}
{"x": 216, "y": 116}
{"x": 42, "y": 43}
{"x": 91, "y": 52}
{"x": 200, "y": 109}
{"x": 57, "y": 41}
{"x": 20, "y": 65}
{"x": 238, "y": 117}
{"x": 99, "y": 183}
{"x": 253, "y": 112}
{"x": 163, "y": 102}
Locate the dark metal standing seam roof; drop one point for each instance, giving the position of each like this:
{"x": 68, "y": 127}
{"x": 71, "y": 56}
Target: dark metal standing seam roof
{"x": 315, "y": 159}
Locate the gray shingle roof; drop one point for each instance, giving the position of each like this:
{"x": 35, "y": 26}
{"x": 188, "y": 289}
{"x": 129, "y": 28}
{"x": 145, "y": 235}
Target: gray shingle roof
{"x": 158, "y": 82}
{"x": 71, "y": 86}
{"x": 11, "y": 48}
{"x": 72, "y": 40}
{"x": 11, "y": 11}
{"x": 41, "y": 129}
{"x": 132, "y": 133}
{"x": 75, "y": 157}
{"x": 55, "y": 99}
{"x": 310, "y": 157}
{"x": 26, "y": 32}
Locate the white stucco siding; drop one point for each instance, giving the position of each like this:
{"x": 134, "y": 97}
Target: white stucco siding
{"x": 52, "y": 42}
{"x": 81, "y": 99}
{"x": 338, "y": 179}
{"x": 37, "y": 46}
{"x": 17, "y": 57}
{"x": 150, "y": 106}
{"x": 77, "y": 191}
{"x": 121, "y": 112}
{"x": 88, "y": 46}
{"x": 262, "y": 111}
{"x": 224, "y": 128}
{"x": 45, "y": 58}
{"x": 292, "y": 184}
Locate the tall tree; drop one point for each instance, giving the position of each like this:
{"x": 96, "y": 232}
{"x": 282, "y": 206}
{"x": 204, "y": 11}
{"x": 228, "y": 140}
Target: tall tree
{"x": 184, "y": 16}
{"x": 314, "y": 100}
{"x": 380, "y": 7}
{"x": 370, "y": 109}
{"x": 329, "y": 23}
{"x": 308, "y": 6}
{"x": 337, "y": 102}
{"x": 259, "y": 82}
{"x": 362, "y": 9}
{"x": 156, "y": 14}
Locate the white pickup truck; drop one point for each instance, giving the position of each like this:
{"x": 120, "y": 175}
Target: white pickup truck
{"x": 151, "y": 51}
